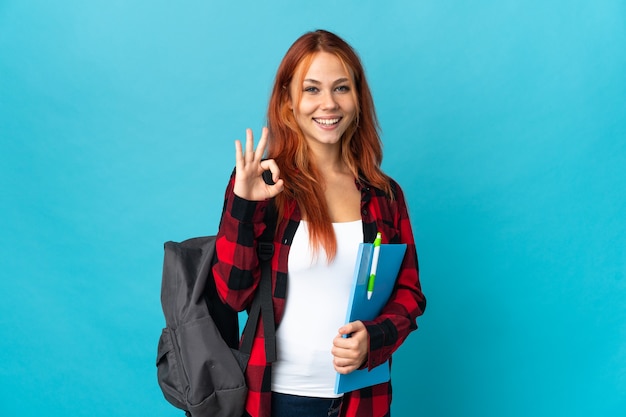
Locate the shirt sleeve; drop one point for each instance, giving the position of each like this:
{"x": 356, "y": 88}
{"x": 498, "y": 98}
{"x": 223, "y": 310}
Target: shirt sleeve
{"x": 236, "y": 269}
{"x": 399, "y": 316}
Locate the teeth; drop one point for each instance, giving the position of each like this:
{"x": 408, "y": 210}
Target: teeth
{"x": 327, "y": 122}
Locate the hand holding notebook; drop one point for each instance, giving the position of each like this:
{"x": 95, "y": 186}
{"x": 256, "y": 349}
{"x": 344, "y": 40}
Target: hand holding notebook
{"x": 390, "y": 258}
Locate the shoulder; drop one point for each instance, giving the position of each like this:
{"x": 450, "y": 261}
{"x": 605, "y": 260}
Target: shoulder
{"x": 395, "y": 192}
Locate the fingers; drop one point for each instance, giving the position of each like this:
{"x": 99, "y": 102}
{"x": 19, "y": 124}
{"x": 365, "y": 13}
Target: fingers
{"x": 352, "y": 327}
{"x": 249, "y": 155}
{"x": 345, "y": 365}
{"x": 249, "y": 182}
{"x": 343, "y": 348}
{"x": 346, "y": 358}
{"x": 260, "y": 149}
{"x": 239, "y": 162}
{"x": 349, "y": 353}
{"x": 344, "y": 369}
{"x": 270, "y": 164}
{"x": 273, "y": 185}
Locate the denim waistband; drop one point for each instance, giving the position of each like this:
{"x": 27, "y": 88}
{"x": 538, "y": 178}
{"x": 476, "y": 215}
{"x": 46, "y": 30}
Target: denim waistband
{"x": 287, "y": 405}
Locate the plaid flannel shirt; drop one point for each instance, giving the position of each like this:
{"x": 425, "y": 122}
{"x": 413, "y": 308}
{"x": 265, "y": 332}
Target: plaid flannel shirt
{"x": 237, "y": 276}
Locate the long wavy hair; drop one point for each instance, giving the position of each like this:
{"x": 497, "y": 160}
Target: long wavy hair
{"x": 361, "y": 147}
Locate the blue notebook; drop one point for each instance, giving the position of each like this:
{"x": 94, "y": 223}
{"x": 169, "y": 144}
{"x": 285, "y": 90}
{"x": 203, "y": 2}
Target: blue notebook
{"x": 360, "y": 308}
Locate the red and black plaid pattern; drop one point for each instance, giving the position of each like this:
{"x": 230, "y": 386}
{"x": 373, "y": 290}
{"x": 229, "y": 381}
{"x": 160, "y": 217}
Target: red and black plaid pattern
{"x": 237, "y": 276}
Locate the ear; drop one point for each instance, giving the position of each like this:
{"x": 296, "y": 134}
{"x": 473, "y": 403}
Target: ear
{"x": 288, "y": 99}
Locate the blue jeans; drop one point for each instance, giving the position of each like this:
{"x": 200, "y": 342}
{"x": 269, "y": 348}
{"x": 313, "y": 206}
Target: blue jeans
{"x": 285, "y": 405}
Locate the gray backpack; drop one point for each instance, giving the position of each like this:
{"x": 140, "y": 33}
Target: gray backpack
{"x": 200, "y": 363}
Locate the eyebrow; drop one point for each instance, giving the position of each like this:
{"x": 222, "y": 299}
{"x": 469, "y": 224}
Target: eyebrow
{"x": 338, "y": 81}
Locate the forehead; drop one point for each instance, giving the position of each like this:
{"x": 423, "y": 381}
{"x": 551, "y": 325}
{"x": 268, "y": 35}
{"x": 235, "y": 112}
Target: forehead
{"x": 322, "y": 66}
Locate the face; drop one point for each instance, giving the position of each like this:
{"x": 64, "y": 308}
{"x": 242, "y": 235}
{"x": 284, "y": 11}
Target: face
{"x": 327, "y": 105}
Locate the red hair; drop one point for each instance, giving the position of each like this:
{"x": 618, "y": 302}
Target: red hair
{"x": 361, "y": 144}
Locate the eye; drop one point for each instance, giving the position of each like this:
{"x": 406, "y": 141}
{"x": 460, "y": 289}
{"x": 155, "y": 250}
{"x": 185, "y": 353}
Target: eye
{"x": 311, "y": 89}
{"x": 342, "y": 88}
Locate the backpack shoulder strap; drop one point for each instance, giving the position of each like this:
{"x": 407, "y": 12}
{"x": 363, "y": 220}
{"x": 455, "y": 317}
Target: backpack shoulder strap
{"x": 262, "y": 303}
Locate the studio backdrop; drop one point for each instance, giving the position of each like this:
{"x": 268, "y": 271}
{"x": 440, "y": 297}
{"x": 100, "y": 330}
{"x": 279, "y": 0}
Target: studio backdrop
{"x": 504, "y": 121}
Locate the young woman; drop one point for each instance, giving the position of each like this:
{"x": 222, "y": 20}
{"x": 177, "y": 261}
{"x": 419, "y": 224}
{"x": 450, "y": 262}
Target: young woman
{"x": 324, "y": 154}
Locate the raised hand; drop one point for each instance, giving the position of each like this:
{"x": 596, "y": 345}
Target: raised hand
{"x": 249, "y": 183}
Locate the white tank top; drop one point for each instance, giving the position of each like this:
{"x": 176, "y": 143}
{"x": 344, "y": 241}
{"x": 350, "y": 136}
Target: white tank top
{"x": 316, "y": 304}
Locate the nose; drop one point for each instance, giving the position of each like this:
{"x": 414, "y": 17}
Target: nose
{"x": 328, "y": 101}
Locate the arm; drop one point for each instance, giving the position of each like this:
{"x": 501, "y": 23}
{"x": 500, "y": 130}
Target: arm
{"x": 236, "y": 271}
{"x": 398, "y": 318}
{"x": 372, "y": 342}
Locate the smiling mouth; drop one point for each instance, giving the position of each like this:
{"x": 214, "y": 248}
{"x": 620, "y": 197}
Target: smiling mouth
{"x": 327, "y": 122}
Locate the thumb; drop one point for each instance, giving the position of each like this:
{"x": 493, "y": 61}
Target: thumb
{"x": 276, "y": 188}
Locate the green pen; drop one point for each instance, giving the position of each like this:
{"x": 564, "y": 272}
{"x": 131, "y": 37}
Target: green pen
{"x": 370, "y": 283}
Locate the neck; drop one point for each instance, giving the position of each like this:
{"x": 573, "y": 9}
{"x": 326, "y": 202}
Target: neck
{"x": 328, "y": 158}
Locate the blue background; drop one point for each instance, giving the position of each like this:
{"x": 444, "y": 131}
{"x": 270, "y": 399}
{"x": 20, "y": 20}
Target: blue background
{"x": 503, "y": 120}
